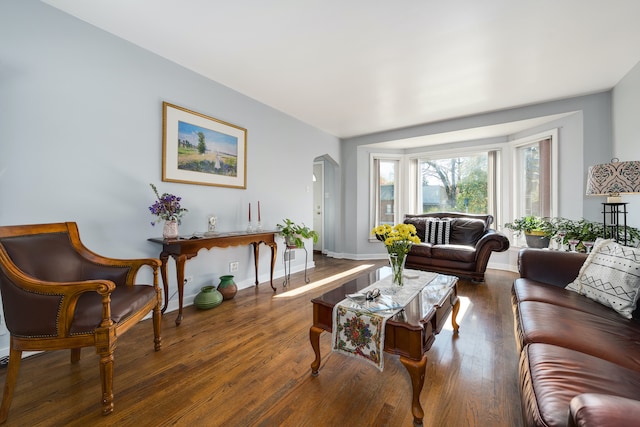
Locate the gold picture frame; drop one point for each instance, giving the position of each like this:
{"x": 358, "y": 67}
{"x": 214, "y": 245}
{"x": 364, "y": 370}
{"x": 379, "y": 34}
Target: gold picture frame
{"x": 198, "y": 149}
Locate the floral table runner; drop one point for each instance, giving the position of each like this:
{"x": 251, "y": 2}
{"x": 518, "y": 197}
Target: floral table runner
{"x": 359, "y": 324}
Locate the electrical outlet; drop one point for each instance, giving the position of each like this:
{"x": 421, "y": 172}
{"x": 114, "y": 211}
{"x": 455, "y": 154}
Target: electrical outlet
{"x": 289, "y": 255}
{"x": 188, "y": 279}
{"x": 233, "y": 266}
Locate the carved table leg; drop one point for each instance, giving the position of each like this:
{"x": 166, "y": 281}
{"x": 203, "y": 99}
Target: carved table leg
{"x": 314, "y": 337}
{"x": 416, "y": 371}
{"x": 180, "y": 260}
{"x": 274, "y": 250}
{"x": 256, "y": 257}
{"x": 164, "y": 257}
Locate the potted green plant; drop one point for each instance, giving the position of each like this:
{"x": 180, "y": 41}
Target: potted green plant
{"x": 580, "y": 234}
{"x": 571, "y": 231}
{"x": 537, "y": 230}
{"x": 294, "y": 233}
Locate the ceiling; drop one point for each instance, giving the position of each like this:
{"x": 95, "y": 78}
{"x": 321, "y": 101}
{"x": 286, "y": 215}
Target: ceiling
{"x": 353, "y": 67}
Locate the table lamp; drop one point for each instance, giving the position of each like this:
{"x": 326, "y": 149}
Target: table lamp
{"x": 612, "y": 180}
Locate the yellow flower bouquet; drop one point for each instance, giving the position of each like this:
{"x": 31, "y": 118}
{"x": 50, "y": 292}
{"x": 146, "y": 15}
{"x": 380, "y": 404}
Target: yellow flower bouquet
{"x": 398, "y": 241}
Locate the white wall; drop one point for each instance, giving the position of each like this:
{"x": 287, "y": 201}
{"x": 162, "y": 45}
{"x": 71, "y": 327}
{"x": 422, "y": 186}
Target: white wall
{"x": 626, "y": 131}
{"x": 80, "y": 140}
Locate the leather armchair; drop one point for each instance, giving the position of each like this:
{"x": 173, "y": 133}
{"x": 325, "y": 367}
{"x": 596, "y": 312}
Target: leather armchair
{"x": 57, "y": 294}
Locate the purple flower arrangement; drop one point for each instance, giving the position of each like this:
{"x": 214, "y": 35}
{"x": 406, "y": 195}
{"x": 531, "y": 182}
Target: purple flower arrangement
{"x": 166, "y": 207}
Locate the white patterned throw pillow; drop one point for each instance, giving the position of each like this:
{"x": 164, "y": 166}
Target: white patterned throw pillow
{"x": 437, "y": 231}
{"x": 611, "y": 276}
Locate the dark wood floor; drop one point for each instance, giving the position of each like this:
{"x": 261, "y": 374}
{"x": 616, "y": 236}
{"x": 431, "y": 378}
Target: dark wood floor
{"x": 246, "y": 363}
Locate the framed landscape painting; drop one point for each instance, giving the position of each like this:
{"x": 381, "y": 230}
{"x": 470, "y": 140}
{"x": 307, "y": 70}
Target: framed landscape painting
{"x": 197, "y": 149}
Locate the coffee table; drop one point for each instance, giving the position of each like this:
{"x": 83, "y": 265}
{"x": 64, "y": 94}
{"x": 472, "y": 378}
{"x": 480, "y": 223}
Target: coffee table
{"x": 409, "y": 334}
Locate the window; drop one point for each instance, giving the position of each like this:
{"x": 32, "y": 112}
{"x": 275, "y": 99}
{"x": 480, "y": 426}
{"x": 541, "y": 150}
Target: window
{"x": 385, "y": 171}
{"x": 446, "y": 182}
{"x": 454, "y": 184}
{"x": 469, "y": 181}
{"x": 534, "y": 176}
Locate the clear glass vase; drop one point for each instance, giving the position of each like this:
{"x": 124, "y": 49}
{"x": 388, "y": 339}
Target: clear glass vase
{"x": 396, "y": 262}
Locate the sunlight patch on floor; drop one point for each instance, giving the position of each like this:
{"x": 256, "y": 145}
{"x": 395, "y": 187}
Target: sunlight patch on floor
{"x": 314, "y": 285}
{"x": 465, "y": 302}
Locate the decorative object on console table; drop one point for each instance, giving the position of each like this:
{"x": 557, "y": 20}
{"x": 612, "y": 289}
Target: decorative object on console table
{"x": 249, "y": 225}
{"x": 167, "y": 208}
{"x": 211, "y": 224}
{"x": 398, "y": 241}
{"x": 227, "y": 287}
{"x": 170, "y": 229}
{"x": 208, "y": 297}
{"x": 259, "y": 224}
{"x": 612, "y": 180}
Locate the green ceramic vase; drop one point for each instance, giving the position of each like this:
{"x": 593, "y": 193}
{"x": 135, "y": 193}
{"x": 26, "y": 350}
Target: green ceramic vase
{"x": 207, "y": 298}
{"x": 227, "y": 287}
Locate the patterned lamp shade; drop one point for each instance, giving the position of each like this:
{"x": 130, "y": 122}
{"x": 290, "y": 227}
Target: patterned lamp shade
{"x": 613, "y": 179}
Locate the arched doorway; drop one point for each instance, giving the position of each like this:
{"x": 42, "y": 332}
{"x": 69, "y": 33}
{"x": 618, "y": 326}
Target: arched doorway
{"x": 325, "y": 202}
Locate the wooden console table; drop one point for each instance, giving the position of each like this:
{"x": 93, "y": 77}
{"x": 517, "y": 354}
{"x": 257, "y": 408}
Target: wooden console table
{"x": 182, "y": 249}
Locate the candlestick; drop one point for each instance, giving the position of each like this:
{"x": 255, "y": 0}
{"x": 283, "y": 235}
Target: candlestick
{"x": 249, "y": 212}
{"x": 258, "y": 210}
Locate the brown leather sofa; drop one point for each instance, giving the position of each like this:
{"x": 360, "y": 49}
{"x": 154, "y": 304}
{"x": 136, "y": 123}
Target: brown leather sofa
{"x": 579, "y": 360}
{"x": 470, "y": 245}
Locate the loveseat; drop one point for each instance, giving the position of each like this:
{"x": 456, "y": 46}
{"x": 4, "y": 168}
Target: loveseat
{"x": 454, "y": 243}
{"x": 579, "y": 358}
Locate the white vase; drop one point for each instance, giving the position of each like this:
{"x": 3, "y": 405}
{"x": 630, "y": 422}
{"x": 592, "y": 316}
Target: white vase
{"x": 170, "y": 229}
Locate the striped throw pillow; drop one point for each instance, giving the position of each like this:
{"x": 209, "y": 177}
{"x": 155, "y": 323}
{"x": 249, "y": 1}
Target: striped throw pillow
{"x": 437, "y": 231}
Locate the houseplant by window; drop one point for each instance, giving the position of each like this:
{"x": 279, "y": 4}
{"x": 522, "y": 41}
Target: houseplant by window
{"x": 295, "y": 233}
{"x": 579, "y": 235}
{"x": 571, "y": 234}
{"x": 537, "y": 230}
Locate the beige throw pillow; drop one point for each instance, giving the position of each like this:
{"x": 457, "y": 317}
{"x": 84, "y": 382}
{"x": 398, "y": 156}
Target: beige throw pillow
{"x": 611, "y": 276}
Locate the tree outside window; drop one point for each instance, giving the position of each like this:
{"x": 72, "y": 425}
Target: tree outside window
{"x": 456, "y": 184}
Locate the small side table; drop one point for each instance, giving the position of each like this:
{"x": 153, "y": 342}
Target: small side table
{"x": 287, "y": 264}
